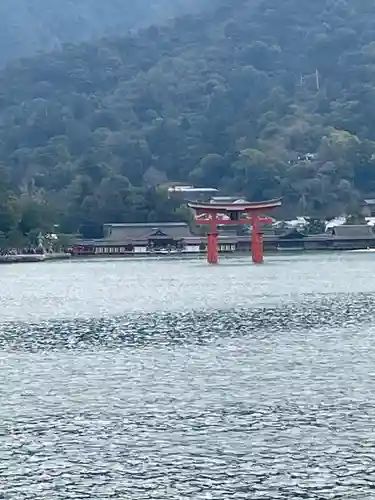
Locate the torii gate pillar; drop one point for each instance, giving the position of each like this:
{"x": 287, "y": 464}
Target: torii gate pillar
{"x": 257, "y": 249}
{"x": 215, "y": 214}
{"x": 212, "y": 248}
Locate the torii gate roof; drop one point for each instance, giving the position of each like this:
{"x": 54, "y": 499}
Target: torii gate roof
{"x": 235, "y": 207}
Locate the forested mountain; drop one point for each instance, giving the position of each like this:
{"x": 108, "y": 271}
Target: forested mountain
{"x": 29, "y": 26}
{"x": 230, "y": 98}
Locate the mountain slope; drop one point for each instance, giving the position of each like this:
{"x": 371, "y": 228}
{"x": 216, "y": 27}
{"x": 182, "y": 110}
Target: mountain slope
{"x": 232, "y": 99}
{"x": 28, "y": 26}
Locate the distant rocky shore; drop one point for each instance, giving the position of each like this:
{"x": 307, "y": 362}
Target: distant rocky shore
{"x": 13, "y": 258}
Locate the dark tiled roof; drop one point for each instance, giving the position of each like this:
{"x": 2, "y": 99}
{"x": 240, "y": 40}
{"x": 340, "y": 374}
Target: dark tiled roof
{"x": 93, "y": 242}
{"x": 226, "y": 199}
{"x": 229, "y": 240}
{"x": 155, "y": 230}
{"x": 189, "y": 240}
{"x": 353, "y": 232}
{"x": 291, "y": 233}
{"x": 193, "y": 240}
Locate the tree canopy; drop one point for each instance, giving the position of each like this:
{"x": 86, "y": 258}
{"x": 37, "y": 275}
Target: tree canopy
{"x": 30, "y": 26}
{"x": 258, "y": 98}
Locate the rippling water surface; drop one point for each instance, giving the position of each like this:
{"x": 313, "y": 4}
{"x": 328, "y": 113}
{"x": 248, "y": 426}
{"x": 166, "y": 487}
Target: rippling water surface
{"x": 177, "y": 380}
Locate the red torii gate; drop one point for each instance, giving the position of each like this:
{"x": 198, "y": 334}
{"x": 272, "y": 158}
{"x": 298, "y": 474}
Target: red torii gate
{"x": 215, "y": 214}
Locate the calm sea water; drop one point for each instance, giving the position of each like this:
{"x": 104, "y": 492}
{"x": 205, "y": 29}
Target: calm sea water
{"x": 162, "y": 379}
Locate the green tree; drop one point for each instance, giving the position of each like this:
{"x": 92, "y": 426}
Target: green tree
{"x": 259, "y": 99}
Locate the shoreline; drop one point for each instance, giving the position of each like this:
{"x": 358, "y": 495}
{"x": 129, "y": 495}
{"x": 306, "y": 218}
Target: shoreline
{"x": 36, "y": 258}
{"x": 33, "y": 257}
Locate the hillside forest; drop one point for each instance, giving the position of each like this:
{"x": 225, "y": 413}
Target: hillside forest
{"x": 259, "y": 98}
{"x": 31, "y": 26}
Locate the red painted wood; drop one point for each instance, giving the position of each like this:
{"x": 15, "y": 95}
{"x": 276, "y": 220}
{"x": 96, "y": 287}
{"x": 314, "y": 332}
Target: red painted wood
{"x": 211, "y": 213}
{"x": 257, "y": 252}
{"x": 236, "y": 207}
{"x": 224, "y": 222}
{"x": 212, "y": 250}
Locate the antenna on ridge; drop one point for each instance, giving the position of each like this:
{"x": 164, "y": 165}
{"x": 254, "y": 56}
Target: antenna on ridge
{"x": 317, "y": 79}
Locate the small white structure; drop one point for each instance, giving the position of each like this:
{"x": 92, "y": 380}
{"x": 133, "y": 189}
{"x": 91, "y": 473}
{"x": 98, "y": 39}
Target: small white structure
{"x": 191, "y": 192}
{"x": 139, "y": 249}
{"x": 297, "y": 223}
{"x": 337, "y": 221}
{"x": 191, "y": 248}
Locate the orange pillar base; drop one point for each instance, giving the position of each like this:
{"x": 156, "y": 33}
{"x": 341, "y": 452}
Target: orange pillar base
{"x": 212, "y": 251}
{"x": 257, "y": 251}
